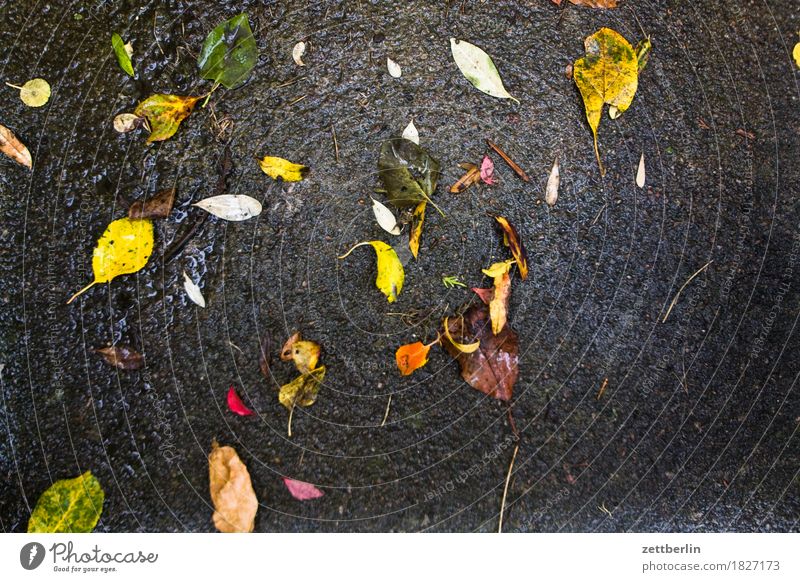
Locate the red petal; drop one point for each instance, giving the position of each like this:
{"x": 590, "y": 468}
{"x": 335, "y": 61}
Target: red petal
{"x": 487, "y": 171}
{"x": 301, "y": 490}
{"x": 236, "y": 405}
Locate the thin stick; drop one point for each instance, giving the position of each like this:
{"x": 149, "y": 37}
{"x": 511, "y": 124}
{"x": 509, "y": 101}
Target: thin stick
{"x": 298, "y": 100}
{"x": 155, "y": 36}
{"x": 602, "y": 389}
{"x": 335, "y": 143}
{"x": 385, "y": 416}
{"x": 505, "y": 489}
{"x": 512, "y": 164}
{"x": 291, "y": 412}
{"x": 596, "y": 218}
{"x": 678, "y": 294}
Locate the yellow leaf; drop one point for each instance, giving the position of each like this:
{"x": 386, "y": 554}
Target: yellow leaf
{"x": 390, "y": 270}
{"x": 284, "y": 169}
{"x": 124, "y": 248}
{"x": 164, "y": 113}
{"x": 607, "y": 74}
{"x": 796, "y": 54}
{"x": 34, "y": 93}
{"x": 498, "y": 269}
{"x": 304, "y": 353}
{"x": 464, "y": 348}
{"x": 417, "y": 220}
{"x": 498, "y": 305}
{"x": 303, "y": 390}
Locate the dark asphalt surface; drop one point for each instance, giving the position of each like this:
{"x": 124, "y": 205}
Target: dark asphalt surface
{"x": 697, "y": 429}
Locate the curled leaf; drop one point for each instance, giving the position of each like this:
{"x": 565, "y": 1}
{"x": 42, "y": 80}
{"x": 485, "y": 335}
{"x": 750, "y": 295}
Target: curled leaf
{"x": 640, "y": 173}
{"x": 297, "y": 54}
{"x": 234, "y": 207}
{"x": 229, "y": 53}
{"x": 410, "y": 132}
{"x": 164, "y": 113}
{"x": 158, "y": 206}
{"x": 236, "y": 405}
{"x": 304, "y": 353}
{"x": 386, "y": 220}
{"x": 479, "y": 69}
{"x": 417, "y": 220}
{"x": 125, "y": 122}
{"x": 124, "y": 248}
{"x": 458, "y": 345}
{"x": 390, "y": 270}
{"x": 284, "y": 169}
{"x": 235, "y": 503}
{"x": 410, "y": 357}
{"x": 514, "y": 242}
{"x": 607, "y": 74}
{"x": 13, "y": 148}
{"x": 301, "y": 490}
{"x": 409, "y": 174}
{"x": 193, "y": 291}
{"x": 121, "y": 51}
{"x": 303, "y": 390}
{"x": 68, "y": 506}
{"x": 487, "y": 171}
{"x": 122, "y": 357}
{"x": 498, "y": 305}
{"x": 394, "y": 69}
{"x": 553, "y": 182}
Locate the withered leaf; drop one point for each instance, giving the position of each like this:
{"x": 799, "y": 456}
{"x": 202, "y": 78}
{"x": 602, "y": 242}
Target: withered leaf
{"x": 494, "y": 367}
{"x": 159, "y": 206}
{"x": 13, "y": 148}
{"x": 304, "y": 353}
{"x": 472, "y": 176}
{"x": 235, "y": 503}
{"x": 408, "y": 172}
{"x": 512, "y": 239}
{"x": 123, "y": 357}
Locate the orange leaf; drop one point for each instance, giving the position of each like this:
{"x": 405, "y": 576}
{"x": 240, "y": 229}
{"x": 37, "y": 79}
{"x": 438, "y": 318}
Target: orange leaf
{"x": 514, "y": 242}
{"x": 410, "y": 357}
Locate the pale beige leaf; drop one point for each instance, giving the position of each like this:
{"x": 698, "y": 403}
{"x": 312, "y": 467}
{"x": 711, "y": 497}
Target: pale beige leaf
{"x": 125, "y": 122}
{"x": 394, "y": 69}
{"x": 13, "y": 148}
{"x": 234, "y": 207}
{"x": 410, "y": 133}
{"x": 385, "y": 217}
{"x": 235, "y": 503}
{"x": 553, "y": 182}
{"x": 297, "y": 53}
{"x": 193, "y": 291}
{"x": 640, "y": 173}
{"x": 479, "y": 69}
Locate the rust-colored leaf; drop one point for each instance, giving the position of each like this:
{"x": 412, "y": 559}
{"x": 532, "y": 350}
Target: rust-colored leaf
{"x": 507, "y": 159}
{"x": 514, "y": 242}
{"x": 159, "y": 206}
{"x": 13, "y": 148}
{"x": 472, "y": 176}
{"x": 494, "y": 367}
{"x": 411, "y": 357}
{"x": 123, "y": 357}
{"x": 235, "y": 503}
{"x": 305, "y": 354}
{"x": 590, "y": 3}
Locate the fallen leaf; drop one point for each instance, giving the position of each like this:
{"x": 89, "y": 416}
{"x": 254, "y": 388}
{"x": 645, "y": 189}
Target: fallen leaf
{"x": 125, "y": 122}
{"x": 68, "y": 506}
{"x": 386, "y": 220}
{"x": 643, "y": 48}
{"x": 304, "y": 353}
{"x": 410, "y": 132}
{"x": 193, "y": 291}
{"x": 417, "y": 220}
{"x": 124, "y": 248}
{"x": 297, "y": 54}
{"x": 553, "y": 182}
{"x": 607, "y": 74}
{"x": 159, "y": 206}
{"x": 472, "y": 176}
{"x": 122, "y": 357}
{"x": 796, "y": 54}
{"x": 390, "y": 270}
{"x": 123, "y": 57}
{"x": 303, "y": 390}
{"x": 234, "y": 207}
{"x": 284, "y": 169}
{"x": 498, "y": 305}
{"x": 512, "y": 239}
{"x": 487, "y": 171}
{"x": 394, "y": 69}
{"x": 301, "y": 490}
{"x": 409, "y": 174}
{"x": 13, "y": 148}
{"x": 235, "y": 503}
{"x": 410, "y": 357}
{"x": 34, "y": 93}
{"x": 507, "y": 159}
{"x": 493, "y": 369}
{"x": 236, "y": 405}
{"x": 164, "y": 114}
{"x": 229, "y": 53}
{"x": 591, "y": 3}
{"x": 478, "y": 69}
{"x": 463, "y": 348}
{"x": 640, "y": 173}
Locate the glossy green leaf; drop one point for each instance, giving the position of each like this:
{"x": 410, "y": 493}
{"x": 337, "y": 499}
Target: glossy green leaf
{"x": 408, "y": 172}
{"x": 68, "y": 506}
{"x": 123, "y": 58}
{"x": 229, "y": 53}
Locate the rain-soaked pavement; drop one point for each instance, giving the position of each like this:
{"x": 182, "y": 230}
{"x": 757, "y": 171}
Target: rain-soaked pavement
{"x": 696, "y": 430}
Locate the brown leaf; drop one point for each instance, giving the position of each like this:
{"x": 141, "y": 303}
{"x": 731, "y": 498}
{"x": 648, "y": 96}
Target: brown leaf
{"x": 514, "y": 242}
{"x": 235, "y": 503}
{"x": 472, "y": 176}
{"x": 13, "y": 148}
{"x": 590, "y": 3}
{"x": 507, "y": 159}
{"x": 159, "y": 206}
{"x": 123, "y": 357}
{"x": 494, "y": 367}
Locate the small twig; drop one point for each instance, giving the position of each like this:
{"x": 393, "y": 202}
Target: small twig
{"x": 602, "y": 389}
{"x": 505, "y": 489}
{"x": 678, "y": 294}
{"x": 298, "y": 100}
{"x": 512, "y": 164}
{"x": 289, "y": 428}
{"x": 604, "y": 509}
{"x": 335, "y": 143}
{"x": 388, "y": 404}
{"x": 155, "y": 36}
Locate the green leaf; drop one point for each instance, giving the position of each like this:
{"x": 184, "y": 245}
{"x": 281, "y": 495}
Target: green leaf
{"x": 123, "y": 58}
{"x": 229, "y": 53}
{"x": 68, "y": 506}
{"x": 407, "y": 172}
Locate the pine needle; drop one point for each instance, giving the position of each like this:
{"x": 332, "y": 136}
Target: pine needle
{"x": 505, "y": 489}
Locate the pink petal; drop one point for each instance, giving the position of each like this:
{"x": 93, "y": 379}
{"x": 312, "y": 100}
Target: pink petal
{"x": 236, "y": 405}
{"x": 485, "y": 294}
{"x": 487, "y": 171}
{"x": 302, "y": 490}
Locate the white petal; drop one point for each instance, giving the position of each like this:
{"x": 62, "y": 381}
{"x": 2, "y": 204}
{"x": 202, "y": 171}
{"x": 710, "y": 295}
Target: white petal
{"x": 297, "y": 53}
{"x": 394, "y": 69}
{"x": 640, "y": 176}
{"x": 410, "y": 133}
{"x": 551, "y": 193}
{"x": 385, "y": 218}
{"x": 234, "y": 207}
{"x": 193, "y": 291}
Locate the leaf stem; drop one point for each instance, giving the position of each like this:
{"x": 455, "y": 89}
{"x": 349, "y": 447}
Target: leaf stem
{"x": 17, "y": 87}
{"x": 213, "y": 88}
{"x": 291, "y": 413}
{"x": 89, "y": 286}
{"x": 347, "y": 254}
{"x": 597, "y": 155}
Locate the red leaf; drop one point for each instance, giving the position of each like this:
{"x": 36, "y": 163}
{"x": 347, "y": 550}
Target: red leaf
{"x": 487, "y": 171}
{"x": 301, "y": 490}
{"x": 485, "y": 294}
{"x": 236, "y": 405}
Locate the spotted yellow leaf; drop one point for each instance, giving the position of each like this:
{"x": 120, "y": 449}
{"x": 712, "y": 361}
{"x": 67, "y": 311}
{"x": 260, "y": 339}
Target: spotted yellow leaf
{"x": 390, "y": 270}
{"x": 284, "y": 169}
{"x": 165, "y": 113}
{"x": 417, "y": 220}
